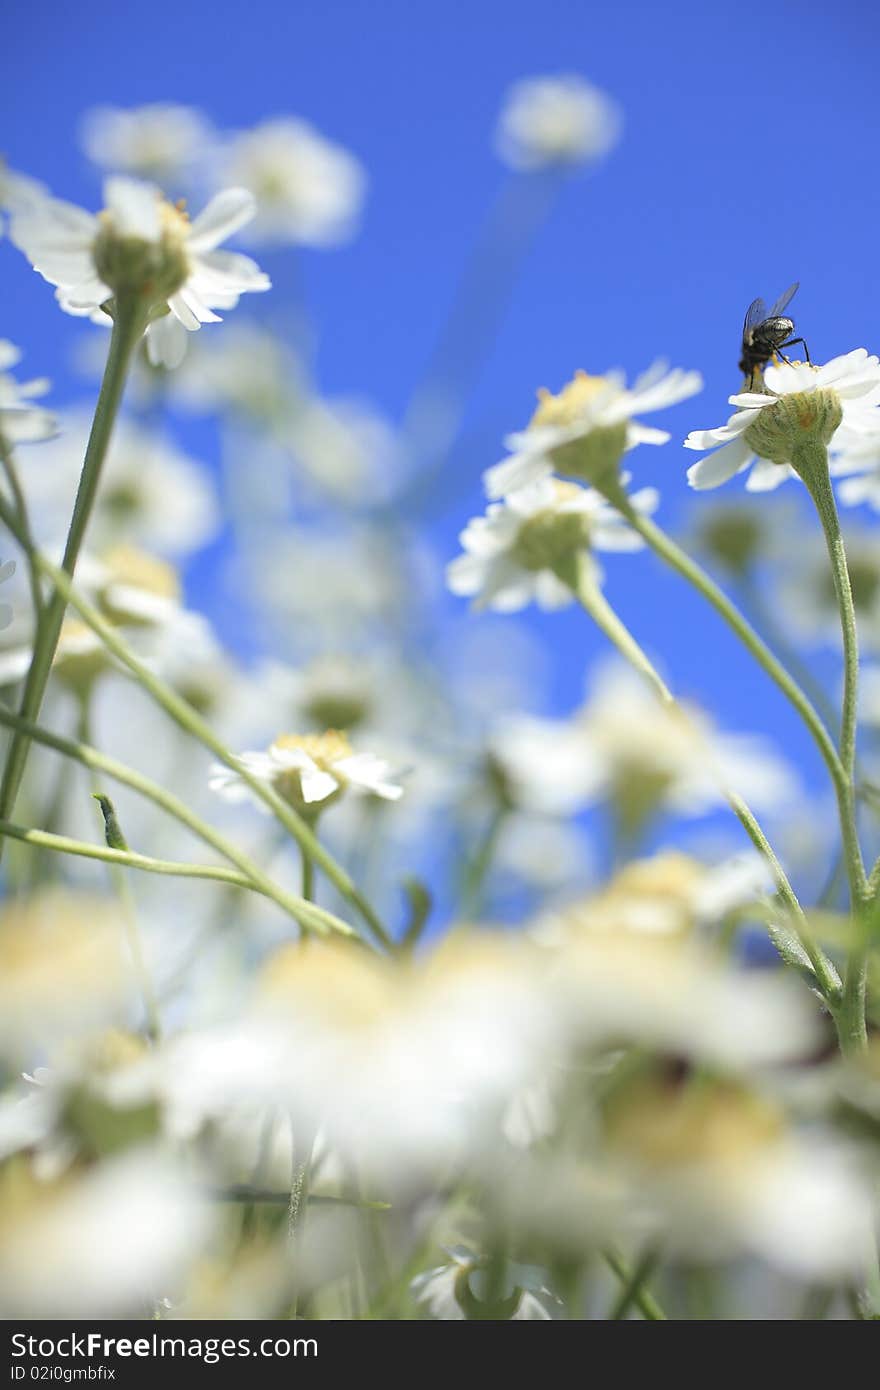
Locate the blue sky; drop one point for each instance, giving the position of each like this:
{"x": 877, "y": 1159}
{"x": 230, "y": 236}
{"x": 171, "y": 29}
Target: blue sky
{"x": 748, "y": 161}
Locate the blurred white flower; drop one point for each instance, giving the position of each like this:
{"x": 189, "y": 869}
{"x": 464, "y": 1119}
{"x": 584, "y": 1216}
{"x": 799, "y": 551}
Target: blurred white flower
{"x": 669, "y": 894}
{"x": 443, "y": 1290}
{"x": 161, "y": 141}
{"x": 309, "y": 190}
{"x": 347, "y": 448}
{"x": 625, "y": 745}
{"x": 309, "y": 770}
{"x": 62, "y": 968}
{"x": 857, "y": 463}
{"x": 805, "y": 592}
{"x": 102, "y": 1243}
{"x": 853, "y": 379}
{"x": 20, "y": 421}
{"x": 721, "y": 1173}
{"x": 152, "y": 494}
{"x": 587, "y": 427}
{"x": 246, "y": 369}
{"x": 556, "y": 121}
{"x": 63, "y": 243}
{"x": 511, "y": 552}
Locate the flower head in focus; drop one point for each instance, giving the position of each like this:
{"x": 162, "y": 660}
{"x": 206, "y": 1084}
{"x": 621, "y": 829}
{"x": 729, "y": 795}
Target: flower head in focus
{"x": 512, "y": 555}
{"x": 552, "y": 121}
{"x": 309, "y": 190}
{"x": 585, "y": 430}
{"x": 142, "y": 246}
{"x": 309, "y": 771}
{"x": 161, "y": 141}
{"x": 834, "y": 403}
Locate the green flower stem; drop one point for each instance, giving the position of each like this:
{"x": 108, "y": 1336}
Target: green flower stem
{"x": 310, "y": 917}
{"x": 188, "y": 719}
{"x": 128, "y": 329}
{"x": 810, "y": 461}
{"x": 477, "y": 868}
{"x": 680, "y": 561}
{"x": 633, "y": 1286}
{"x": 7, "y": 462}
{"x": 640, "y": 1296}
{"x": 252, "y": 877}
{"x": 580, "y": 575}
{"x": 826, "y": 975}
{"x": 307, "y": 889}
{"x": 588, "y": 590}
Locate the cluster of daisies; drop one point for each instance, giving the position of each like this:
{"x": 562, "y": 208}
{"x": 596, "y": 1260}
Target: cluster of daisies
{"x": 591, "y": 424}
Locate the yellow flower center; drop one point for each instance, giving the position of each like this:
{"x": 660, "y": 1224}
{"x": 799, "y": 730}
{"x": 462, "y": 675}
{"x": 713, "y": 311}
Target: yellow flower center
{"x": 324, "y": 749}
{"x": 568, "y": 406}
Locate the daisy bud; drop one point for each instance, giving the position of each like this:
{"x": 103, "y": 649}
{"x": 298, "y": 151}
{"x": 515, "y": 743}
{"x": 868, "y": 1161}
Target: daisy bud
{"x": 794, "y": 424}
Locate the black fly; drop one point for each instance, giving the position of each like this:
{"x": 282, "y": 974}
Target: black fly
{"x": 767, "y": 332}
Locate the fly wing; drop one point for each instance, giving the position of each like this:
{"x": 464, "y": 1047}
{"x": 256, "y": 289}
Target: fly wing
{"x": 756, "y": 313}
{"x": 784, "y": 300}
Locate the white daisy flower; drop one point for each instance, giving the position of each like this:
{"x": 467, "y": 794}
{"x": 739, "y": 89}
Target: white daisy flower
{"x": 446, "y": 1291}
{"x": 159, "y": 141}
{"x": 857, "y": 463}
{"x": 309, "y": 190}
{"x": 20, "y": 421}
{"x": 67, "y": 245}
{"x": 309, "y": 771}
{"x": 548, "y": 121}
{"x": 854, "y": 378}
{"x": 509, "y": 553}
{"x": 589, "y": 425}
{"x": 623, "y": 744}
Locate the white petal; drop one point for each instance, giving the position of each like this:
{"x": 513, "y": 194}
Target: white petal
{"x": 515, "y": 472}
{"x": 370, "y": 772}
{"x": 134, "y": 206}
{"x": 166, "y": 342}
{"x": 717, "y": 468}
{"x": 224, "y": 214}
{"x": 316, "y": 784}
{"x": 767, "y": 476}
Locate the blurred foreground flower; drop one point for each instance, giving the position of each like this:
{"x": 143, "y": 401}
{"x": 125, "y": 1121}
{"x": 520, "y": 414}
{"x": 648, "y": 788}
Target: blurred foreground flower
{"x": 547, "y": 121}
{"x": 100, "y": 1243}
{"x": 145, "y": 246}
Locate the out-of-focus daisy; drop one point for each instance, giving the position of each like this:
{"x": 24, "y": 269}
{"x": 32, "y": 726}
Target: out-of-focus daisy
{"x": 587, "y": 427}
{"x": 247, "y": 370}
{"x": 642, "y": 755}
{"x": 512, "y": 553}
{"x": 670, "y": 894}
{"x": 805, "y": 591}
{"x": 455, "y": 1290}
{"x": 20, "y": 420}
{"x": 857, "y": 464}
{"x": 17, "y": 190}
{"x": 152, "y": 495}
{"x": 850, "y": 383}
{"x": 77, "y": 251}
{"x": 63, "y": 968}
{"x": 310, "y": 771}
{"x": 556, "y": 120}
{"x": 721, "y": 1173}
{"x": 161, "y": 141}
{"x": 101, "y": 1243}
{"x": 309, "y": 190}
